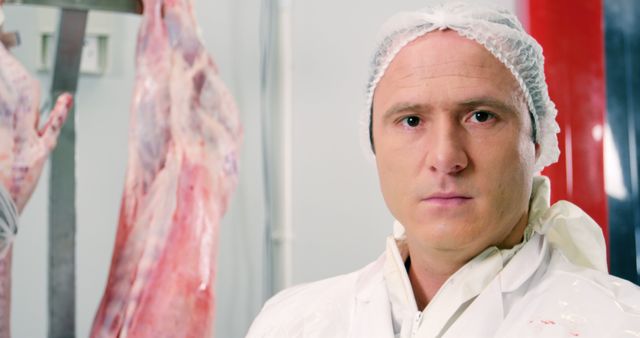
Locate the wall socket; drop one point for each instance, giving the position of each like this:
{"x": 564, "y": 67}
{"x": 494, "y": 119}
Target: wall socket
{"x": 94, "y": 53}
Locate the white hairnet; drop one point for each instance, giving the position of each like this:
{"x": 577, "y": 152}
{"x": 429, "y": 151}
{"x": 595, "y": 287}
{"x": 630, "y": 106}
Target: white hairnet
{"x": 500, "y": 33}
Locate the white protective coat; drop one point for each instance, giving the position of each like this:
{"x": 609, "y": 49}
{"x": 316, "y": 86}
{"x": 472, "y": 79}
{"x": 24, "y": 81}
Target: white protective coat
{"x": 555, "y": 285}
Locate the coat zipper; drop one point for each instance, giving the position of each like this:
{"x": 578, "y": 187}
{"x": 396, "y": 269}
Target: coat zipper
{"x": 416, "y": 324}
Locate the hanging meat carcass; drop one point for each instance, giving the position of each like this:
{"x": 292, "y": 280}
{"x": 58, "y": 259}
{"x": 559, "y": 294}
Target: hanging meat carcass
{"x": 24, "y": 148}
{"x": 183, "y": 143}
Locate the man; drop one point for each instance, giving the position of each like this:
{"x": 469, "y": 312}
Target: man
{"x": 460, "y": 123}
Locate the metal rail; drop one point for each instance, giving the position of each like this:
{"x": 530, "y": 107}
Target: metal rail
{"x": 126, "y": 6}
{"x": 276, "y": 110}
{"x": 62, "y": 182}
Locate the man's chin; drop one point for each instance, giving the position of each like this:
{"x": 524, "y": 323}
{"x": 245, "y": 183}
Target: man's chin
{"x": 445, "y": 237}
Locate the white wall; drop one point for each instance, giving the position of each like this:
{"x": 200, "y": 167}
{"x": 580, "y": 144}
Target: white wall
{"x": 339, "y": 218}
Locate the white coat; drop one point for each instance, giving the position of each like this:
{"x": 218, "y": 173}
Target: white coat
{"x": 555, "y": 285}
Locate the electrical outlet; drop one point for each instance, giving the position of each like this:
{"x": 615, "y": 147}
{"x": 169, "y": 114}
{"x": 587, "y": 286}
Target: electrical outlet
{"x": 94, "y": 53}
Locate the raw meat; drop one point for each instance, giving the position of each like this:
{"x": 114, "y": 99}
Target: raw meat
{"x": 24, "y": 148}
{"x": 183, "y": 143}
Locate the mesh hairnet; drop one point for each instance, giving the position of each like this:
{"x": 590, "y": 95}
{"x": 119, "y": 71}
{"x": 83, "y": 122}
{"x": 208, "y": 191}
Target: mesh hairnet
{"x": 500, "y": 33}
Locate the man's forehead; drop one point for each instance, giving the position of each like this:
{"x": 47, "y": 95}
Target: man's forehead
{"x": 443, "y": 66}
{"x": 434, "y": 50}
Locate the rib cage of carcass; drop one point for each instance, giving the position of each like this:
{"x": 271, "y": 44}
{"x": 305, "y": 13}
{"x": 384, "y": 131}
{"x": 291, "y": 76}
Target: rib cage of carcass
{"x": 183, "y": 144}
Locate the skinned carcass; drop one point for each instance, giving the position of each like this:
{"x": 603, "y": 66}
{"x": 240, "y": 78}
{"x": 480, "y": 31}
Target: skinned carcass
{"x": 183, "y": 143}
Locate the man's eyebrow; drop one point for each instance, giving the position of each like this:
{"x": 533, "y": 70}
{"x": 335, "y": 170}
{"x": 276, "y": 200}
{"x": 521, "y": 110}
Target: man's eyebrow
{"x": 490, "y": 102}
{"x": 405, "y": 107}
{"x": 487, "y": 101}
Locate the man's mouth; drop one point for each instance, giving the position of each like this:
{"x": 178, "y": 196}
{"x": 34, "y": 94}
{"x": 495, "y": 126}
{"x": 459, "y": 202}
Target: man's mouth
{"x": 447, "y": 199}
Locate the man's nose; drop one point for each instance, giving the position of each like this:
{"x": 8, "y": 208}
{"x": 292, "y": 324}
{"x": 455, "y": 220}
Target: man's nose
{"x": 447, "y": 154}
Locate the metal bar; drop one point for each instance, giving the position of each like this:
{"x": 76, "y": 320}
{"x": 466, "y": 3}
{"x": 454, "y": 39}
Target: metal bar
{"x": 126, "y": 6}
{"x": 62, "y": 193}
{"x": 267, "y": 42}
{"x": 276, "y": 109}
{"x": 285, "y": 232}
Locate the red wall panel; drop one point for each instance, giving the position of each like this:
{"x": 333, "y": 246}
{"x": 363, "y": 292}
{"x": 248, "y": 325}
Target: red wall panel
{"x": 572, "y": 36}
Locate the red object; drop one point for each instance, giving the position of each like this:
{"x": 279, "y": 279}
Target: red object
{"x": 572, "y": 37}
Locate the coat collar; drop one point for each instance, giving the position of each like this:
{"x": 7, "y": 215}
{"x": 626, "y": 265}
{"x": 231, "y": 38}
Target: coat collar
{"x": 372, "y": 312}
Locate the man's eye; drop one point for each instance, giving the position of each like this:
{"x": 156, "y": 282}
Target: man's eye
{"x": 411, "y": 121}
{"x": 481, "y": 116}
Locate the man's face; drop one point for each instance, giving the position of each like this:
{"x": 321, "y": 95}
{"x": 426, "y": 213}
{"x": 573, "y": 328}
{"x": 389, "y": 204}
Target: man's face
{"x": 454, "y": 146}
